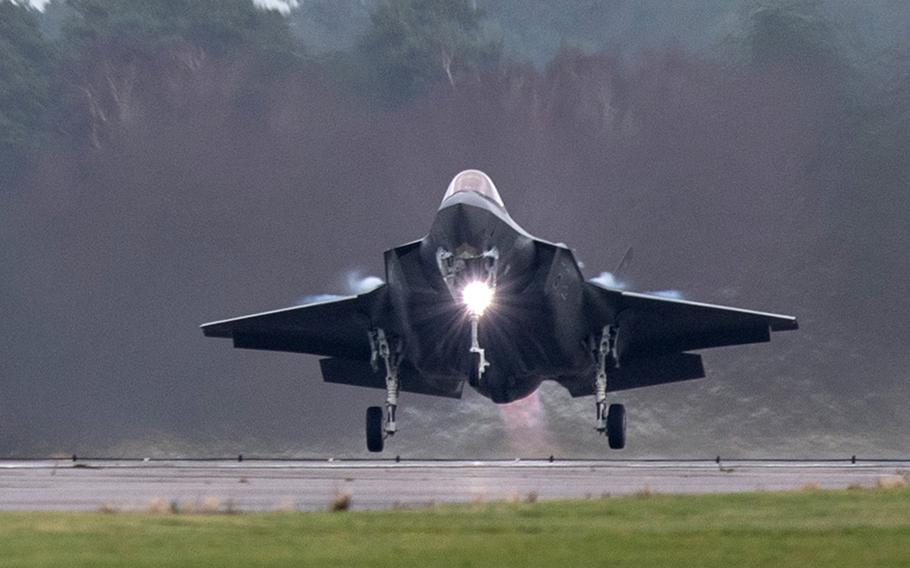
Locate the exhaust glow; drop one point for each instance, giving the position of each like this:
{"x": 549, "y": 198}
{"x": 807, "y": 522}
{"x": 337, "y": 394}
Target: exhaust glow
{"x": 525, "y": 423}
{"x": 477, "y": 297}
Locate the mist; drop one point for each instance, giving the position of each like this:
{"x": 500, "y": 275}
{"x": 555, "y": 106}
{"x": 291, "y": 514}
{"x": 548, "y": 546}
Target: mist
{"x": 768, "y": 182}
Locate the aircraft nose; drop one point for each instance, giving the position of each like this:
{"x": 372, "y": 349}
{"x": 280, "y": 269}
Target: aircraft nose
{"x": 467, "y": 225}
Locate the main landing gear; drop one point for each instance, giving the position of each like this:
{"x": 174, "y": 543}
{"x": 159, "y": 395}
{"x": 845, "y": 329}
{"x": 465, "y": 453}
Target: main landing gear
{"x": 610, "y": 420}
{"x": 377, "y": 429}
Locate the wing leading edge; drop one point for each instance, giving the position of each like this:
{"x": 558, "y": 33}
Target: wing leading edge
{"x": 336, "y": 328}
{"x": 654, "y": 325}
{"x": 655, "y": 334}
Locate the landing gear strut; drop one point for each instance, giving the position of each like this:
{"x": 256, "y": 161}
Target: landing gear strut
{"x": 610, "y": 421}
{"x": 479, "y": 361}
{"x": 376, "y": 430}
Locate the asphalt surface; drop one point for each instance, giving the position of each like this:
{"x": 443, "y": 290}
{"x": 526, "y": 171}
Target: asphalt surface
{"x": 314, "y": 485}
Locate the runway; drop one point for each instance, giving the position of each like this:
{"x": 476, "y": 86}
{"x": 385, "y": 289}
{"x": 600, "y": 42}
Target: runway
{"x": 314, "y": 485}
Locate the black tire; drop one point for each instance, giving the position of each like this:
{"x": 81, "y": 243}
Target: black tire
{"x": 616, "y": 426}
{"x": 374, "y": 429}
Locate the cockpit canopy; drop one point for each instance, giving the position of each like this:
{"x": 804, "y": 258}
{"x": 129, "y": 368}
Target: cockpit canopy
{"x": 474, "y": 181}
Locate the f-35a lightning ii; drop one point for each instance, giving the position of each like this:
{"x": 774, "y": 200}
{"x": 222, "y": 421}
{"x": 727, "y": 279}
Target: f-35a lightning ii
{"x": 480, "y": 300}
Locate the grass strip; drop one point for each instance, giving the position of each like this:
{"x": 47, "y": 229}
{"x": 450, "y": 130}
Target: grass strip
{"x": 867, "y": 528}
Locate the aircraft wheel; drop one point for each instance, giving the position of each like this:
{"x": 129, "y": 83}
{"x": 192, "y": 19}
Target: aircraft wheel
{"x": 374, "y": 429}
{"x": 616, "y": 426}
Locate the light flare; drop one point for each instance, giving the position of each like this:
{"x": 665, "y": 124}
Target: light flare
{"x": 477, "y": 297}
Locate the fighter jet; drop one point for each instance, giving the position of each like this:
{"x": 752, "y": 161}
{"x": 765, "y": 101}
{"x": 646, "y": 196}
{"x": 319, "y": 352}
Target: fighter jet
{"x": 480, "y": 300}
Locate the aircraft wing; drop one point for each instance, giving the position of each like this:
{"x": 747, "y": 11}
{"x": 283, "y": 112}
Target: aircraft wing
{"x": 336, "y": 328}
{"x": 653, "y": 325}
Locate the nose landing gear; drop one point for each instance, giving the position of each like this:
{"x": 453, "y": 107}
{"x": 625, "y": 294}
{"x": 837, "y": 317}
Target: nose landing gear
{"x": 478, "y": 358}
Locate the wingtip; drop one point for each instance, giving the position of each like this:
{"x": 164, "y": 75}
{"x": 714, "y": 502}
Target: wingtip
{"x": 789, "y": 324}
{"x": 211, "y": 330}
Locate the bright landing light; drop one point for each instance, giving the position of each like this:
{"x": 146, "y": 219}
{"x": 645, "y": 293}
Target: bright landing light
{"x": 477, "y": 297}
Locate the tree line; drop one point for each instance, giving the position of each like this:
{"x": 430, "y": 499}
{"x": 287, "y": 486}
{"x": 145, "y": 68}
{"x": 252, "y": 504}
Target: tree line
{"x": 79, "y": 66}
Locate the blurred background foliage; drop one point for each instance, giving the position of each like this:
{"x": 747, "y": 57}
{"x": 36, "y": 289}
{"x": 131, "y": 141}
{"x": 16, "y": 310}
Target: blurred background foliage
{"x": 394, "y": 50}
{"x": 77, "y": 63}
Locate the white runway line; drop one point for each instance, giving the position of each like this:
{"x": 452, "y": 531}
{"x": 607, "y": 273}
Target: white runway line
{"x": 448, "y": 465}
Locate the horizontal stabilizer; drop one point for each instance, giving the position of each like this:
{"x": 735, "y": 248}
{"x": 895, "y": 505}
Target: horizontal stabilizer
{"x": 361, "y": 374}
{"x": 642, "y": 373}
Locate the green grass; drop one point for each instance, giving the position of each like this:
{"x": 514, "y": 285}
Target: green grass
{"x": 863, "y": 528}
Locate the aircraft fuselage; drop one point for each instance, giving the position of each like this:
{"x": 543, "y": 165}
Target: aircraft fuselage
{"x": 535, "y": 327}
